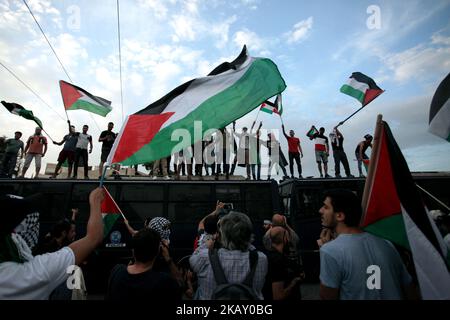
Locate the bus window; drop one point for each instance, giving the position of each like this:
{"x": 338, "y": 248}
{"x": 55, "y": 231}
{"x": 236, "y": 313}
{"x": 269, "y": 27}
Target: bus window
{"x": 189, "y": 192}
{"x": 139, "y": 211}
{"x": 228, "y": 193}
{"x": 135, "y": 192}
{"x": 191, "y": 212}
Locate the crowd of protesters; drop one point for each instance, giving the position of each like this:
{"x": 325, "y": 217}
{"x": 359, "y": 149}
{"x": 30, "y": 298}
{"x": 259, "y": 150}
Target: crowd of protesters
{"x": 218, "y": 154}
{"x": 224, "y": 264}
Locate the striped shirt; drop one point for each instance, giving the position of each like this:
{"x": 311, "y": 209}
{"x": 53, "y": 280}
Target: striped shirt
{"x": 236, "y": 266}
{"x": 321, "y": 142}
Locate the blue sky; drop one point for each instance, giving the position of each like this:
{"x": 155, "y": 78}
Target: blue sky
{"x": 316, "y": 45}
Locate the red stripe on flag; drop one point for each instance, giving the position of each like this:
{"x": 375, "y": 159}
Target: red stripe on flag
{"x": 371, "y": 94}
{"x": 383, "y": 199}
{"x": 138, "y": 132}
{"x": 108, "y": 204}
{"x": 69, "y": 94}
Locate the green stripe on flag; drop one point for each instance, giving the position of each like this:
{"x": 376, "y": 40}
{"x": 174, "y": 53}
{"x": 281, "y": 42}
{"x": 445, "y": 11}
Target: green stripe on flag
{"x": 359, "y": 95}
{"x": 261, "y": 81}
{"x": 94, "y": 108}
{"x": 108, "y": 222}
{"x": 269, "y": 111}
{"x": 391, "y": 228}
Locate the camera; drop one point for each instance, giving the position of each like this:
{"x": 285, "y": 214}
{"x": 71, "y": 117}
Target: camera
{"x": 227, "y": 208}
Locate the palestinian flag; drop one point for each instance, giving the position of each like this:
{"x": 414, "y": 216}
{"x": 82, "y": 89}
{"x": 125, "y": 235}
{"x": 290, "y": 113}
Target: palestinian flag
{"x": 77, "y": 98}
{"x": 272, "y": 107}
{"x": 440, "y": 110}
{"x": 312, "y": 132}
{"x": 110, "y": 213}
{"x": 394, "y": 210}
{"x": 362, "y": 88}
{"x": 21, "y": 111}
{"x": 229, "y": 92}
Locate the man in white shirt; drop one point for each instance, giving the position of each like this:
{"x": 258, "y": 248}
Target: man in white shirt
{"x": 84, "y": 140}
{"x": 23, "y": 276}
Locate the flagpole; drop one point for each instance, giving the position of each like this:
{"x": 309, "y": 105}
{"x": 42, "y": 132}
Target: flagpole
{"x": 112, "y": 199}
{"x": 102, "y": 179}
{"x": 433, "y": 197}
{"x": 372, "y": 162}
{"x": 257, "y": 115}
{"x": 342, "y": 122}
{"x": 47, "y": 134}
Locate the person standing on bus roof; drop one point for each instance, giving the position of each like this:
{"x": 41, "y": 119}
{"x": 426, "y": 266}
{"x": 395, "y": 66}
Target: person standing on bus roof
{"x": 360, "y": 152}
{"x": 84, "y": 139}
{"x": 337, "y": 144}
{"x": 107, "y": 139}
{"x": 322, "y": 150}
{"x": 295, "y": 152}
{"x": 36, "y": 148}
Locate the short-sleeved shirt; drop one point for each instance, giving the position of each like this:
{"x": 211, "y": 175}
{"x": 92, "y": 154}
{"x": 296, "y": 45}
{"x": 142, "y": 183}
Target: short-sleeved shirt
{"x": 35, "y": 279}
{"x": 337, "y": 142}
{"x": 344, "y": 264}
{"x": 108, "y": 143}
{"x": 293, "y": 143}
{"x": 83, "y": 140}
{"x": 13, "y": 146}
{"x": 236, "y": 266}
{"x": 149, "y": 286}
{"x": 70, "y": 143}
{"x": 321, "y": 142}
{"x": 36, "y": 144}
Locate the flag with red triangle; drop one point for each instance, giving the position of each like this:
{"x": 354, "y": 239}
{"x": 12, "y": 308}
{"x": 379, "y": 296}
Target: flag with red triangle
{"x": 77, "y": 98}
{"x": 110, "y": 212}
{"x": 394, "y": 210}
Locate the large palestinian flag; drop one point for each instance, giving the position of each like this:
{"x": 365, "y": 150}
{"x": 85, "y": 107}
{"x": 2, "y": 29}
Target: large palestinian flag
{"x": 273, "y": 107}
{"x": 229, "y": 92}
{"x": 394, "y": 210}
{"x": 440, "y": 110}
{"x": 362, "y": 88}
{"x": 17, "y": 109}
{"x": 77, "y": 98}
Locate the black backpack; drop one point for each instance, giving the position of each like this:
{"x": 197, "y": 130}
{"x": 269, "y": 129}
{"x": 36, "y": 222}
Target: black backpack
{"x": 233, "y": 291}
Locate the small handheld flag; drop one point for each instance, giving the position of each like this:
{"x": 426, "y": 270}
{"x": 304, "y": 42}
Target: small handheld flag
{"x": 273, "y": 107}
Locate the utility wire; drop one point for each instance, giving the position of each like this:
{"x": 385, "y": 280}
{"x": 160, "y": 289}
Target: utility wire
{"x": 120, "y": 57}
{"x": 51, "y": 47}
{"x": 29, "y": 88}
{"x": 56, "y": 55}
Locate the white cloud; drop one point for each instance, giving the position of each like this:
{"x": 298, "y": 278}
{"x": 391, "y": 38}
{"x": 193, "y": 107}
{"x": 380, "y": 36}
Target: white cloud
{"x": 251, "y": 39}
{"x": 420, "y": 62}
{"x": 158, "y": 8}
{"x": 185, "y": 28}
{"x": 221, "y": 31}
{"x": 300, "y": 31}
{"x": 70, "y": 49}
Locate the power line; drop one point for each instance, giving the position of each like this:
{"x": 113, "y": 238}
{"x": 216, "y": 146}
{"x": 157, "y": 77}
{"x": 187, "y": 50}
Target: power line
{"x": 51, "y": 47}
{"x": 120, "y": 57}
{"x": 29, "y": 88}
{"x": 56, "y": 55}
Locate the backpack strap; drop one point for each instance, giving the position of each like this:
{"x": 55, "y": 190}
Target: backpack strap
{"x": 219, "y": 274}
{"x": 253, "y": 256}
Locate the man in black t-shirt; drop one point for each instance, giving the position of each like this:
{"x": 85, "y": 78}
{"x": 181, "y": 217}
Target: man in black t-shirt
{"x": 107, "y": 137}
{"x": 337, "y": 144}
{"x": 139, "y": 281}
